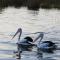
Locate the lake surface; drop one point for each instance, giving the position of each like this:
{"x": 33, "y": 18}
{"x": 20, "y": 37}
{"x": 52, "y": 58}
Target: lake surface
{"x": 11, "y": 19}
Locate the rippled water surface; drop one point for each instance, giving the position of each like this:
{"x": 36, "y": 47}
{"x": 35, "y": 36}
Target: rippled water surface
{"x": 11, "y": 19}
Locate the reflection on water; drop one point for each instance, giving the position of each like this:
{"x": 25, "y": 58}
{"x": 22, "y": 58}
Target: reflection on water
{"x": 47, "y": 21}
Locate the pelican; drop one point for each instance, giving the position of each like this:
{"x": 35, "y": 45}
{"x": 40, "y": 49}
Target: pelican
{"x": 47, "y": 46}
{"x": 25, "y": 44}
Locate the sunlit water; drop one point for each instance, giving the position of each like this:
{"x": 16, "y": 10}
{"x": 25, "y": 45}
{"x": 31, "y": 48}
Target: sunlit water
{"x": 11, "y": 19}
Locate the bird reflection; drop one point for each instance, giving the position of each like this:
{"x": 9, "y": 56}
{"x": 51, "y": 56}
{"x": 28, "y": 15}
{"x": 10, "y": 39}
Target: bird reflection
{"x": 41, "y": 57}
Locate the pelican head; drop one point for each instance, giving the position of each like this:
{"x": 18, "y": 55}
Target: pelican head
{"x": 18, "y": 31}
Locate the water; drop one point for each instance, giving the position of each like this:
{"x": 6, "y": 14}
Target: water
{"x": 11, "y": 19}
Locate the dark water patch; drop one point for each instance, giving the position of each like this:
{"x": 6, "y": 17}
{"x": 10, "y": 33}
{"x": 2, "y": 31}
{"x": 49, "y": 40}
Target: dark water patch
{"x": 48, "y": 58}
{"x": 30, "y": 4}
{"x": 33, "y": 4}
{"x": 0, "y": 10}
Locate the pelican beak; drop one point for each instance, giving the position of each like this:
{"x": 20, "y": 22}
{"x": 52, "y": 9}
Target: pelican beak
{"x": 19, "y": 30}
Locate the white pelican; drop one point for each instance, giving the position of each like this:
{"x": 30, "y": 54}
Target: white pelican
{"x": 26, "y": 43}
{"x": 47, "y": 46}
